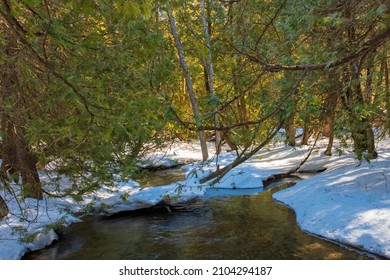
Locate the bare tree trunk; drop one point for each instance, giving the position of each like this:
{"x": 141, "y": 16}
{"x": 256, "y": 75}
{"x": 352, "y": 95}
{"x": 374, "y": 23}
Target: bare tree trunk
{"x": 17, "y": 155}
{"x": 328, "y": 151}
{"x": 232, "y": 145}
{"x": 369, "y": 92}
{"x": 327, "y": 128}
{"x": 3, "y": 208}
{"x": 317, "y": 133}
{"x": 329, "y": 125}
{"x": 290, "y": 131}
{"x": 330, "y": 114}
{"x": 190, "y": 89}
{"x": 371, "y": 152}
{"x": 387, "y": 89}
{"x": 306, "y": 131}
{"x": 210, "y": 75}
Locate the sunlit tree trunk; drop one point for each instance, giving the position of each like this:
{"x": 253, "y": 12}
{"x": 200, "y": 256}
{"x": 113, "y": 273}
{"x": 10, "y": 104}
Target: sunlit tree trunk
{"x": 327, "y": 126}
{"x": 189, "y": 86}
{"x": 306, "y": 131}
{"x": 210, "y": 74}
{"x": 290, "y": 131}
{"x": 332, "y": 100}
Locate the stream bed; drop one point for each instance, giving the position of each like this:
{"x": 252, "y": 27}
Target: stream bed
{"x": 225, "y": 224}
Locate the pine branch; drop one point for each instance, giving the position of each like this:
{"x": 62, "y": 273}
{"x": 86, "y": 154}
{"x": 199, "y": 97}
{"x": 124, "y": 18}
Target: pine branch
{"x": 367, "y": 47}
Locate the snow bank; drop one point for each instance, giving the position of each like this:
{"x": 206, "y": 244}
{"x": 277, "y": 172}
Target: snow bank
{"x": 173, "y": 154}
{"x": 141, "y": 198}
{"x": 30, "y": 226}
{"x": 278, "y": 159}
{"x": 348, "y": 203}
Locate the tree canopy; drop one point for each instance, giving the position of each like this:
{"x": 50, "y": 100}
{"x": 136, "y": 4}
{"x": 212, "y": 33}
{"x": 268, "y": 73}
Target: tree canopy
{"x": 86, "y": 87}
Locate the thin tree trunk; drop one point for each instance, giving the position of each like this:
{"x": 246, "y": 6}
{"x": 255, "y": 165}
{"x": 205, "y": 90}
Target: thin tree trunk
{"x": 210, "y": 75}
{"x": 328, "y": 151}
{"x": 317, "y": 133}
{"x": 369, "y": 93}
{"x": 290, "y": 111}
{"x": 387, "y": 89}
{"x": 359, "y": 127}
{"x": 3, "y": 208}
{"x": 290, "y": 131}
{"x": 306, "y": 131}
{"x": 328, "y": 126}
{"x": 330, "y": 111}
{"x": 372, "y": 153}
{"x": 226, "y": 136}
{"x": 190, "y": 89}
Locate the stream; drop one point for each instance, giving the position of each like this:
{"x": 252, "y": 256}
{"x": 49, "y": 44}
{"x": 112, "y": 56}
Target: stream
{"x": 226, "y": 224}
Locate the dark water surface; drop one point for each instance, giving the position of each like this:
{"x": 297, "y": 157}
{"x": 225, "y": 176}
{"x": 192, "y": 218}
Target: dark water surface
{"x": 235, "y": 224}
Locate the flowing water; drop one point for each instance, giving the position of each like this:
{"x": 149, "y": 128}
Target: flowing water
{"x": 227, "y": 224}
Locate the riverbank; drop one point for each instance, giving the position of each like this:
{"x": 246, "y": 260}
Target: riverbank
{"x": 348, "y": 203}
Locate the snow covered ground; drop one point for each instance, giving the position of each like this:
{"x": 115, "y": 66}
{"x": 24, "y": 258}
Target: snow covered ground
{"x": 348, "y": 203}
{"x": 173, "y": 154}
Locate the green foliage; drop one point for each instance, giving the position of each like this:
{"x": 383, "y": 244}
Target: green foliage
{"x": 100, "y": 79}
{"x": 91, "y": 104}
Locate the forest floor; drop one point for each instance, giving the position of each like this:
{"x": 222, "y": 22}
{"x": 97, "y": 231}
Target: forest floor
{"x": 348, "y": 203}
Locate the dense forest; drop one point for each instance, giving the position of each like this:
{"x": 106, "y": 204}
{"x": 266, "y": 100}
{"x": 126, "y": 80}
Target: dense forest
{"x": 88, "y": 87}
